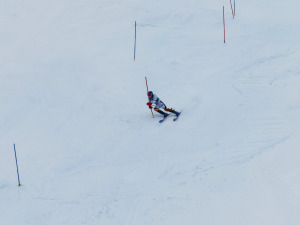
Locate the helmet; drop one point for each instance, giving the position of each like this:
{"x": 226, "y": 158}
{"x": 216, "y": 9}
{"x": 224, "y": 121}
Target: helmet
{"x": 150, "y": 93}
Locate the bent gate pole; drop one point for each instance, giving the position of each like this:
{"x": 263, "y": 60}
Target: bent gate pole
{"x": 147, "y": 95}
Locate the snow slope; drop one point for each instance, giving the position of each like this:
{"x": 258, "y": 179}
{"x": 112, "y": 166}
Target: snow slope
{"x": 89, "y": 152}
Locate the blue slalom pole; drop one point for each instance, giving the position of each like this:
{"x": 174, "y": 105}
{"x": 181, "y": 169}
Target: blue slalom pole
{"x": 234, "y": 7}
{"x": 17, "y": 165}
{"x": 134, "y": 39}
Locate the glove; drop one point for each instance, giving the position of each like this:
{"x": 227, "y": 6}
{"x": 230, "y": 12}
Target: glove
{"x": 149, "y": 104}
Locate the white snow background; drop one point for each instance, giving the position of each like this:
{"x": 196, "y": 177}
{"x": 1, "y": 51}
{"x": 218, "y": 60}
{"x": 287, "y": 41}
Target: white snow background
{"x": 73, "y": 101}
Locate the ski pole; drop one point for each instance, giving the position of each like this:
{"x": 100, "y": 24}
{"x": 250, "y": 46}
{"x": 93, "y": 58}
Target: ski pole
{"x": 17, "y": 165}
{"x": 147, "y": 95}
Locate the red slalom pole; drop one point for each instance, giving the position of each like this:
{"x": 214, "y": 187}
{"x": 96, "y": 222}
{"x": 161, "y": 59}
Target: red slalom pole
{"x": 224, "y": 22}
{"x": 232, "y": 10}
{"x": 147, "y": 95}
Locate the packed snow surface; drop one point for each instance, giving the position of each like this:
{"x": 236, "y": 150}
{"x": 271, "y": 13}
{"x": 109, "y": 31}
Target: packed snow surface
{"x": 73, "y": 101}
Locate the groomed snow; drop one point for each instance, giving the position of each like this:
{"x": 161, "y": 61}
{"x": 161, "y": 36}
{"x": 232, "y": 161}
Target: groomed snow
{"x": 73, "y": 101}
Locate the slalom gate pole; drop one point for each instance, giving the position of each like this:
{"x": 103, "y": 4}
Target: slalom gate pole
{"x": 17, "y": 165}
{"x": 224, "y": 22}
{"x": 134, "y": 40}
{"x": 147, "y": 94}
{"x": 234, "y": 7}
{"x": 232, "y": 10}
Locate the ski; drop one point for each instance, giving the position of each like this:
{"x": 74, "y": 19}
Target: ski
{"x": 164, "y": 119}
{"x": 177, "y": 116}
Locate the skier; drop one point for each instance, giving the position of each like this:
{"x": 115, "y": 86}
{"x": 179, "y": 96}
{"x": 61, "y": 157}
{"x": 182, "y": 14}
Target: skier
{"x": 153, "y": 99}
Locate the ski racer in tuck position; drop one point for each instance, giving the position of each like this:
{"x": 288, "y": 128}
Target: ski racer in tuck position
{"x": 153, "y": 99}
